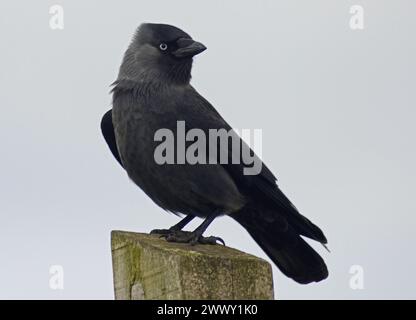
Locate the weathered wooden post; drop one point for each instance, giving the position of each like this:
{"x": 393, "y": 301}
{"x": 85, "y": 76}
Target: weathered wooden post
{"x": 147, "y": 267}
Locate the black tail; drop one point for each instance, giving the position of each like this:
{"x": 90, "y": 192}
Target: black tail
{"x": 283, "y": 244}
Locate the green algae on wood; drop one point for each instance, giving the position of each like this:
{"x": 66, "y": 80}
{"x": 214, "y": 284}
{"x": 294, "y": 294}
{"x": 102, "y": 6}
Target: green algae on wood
{"x": 148, "y": 267}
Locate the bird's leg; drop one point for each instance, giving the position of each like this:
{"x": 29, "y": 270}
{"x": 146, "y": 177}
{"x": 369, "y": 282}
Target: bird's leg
{"x": 177, "y": 227}
{"x": 195, "y": 236}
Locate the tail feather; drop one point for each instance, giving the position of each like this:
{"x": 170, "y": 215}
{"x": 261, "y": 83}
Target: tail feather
{"x": 300, "y": 223}
{"x": 286, "y": 248}
{"x": 297, "y": 261}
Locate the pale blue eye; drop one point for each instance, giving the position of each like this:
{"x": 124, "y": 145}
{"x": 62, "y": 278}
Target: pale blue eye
{"x": 163, "y": 46}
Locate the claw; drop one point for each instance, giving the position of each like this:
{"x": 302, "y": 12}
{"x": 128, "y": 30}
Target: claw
{"x": 210, "y": 240}
{"x": 191, "y": 238}
{"x": 220, "y": 240}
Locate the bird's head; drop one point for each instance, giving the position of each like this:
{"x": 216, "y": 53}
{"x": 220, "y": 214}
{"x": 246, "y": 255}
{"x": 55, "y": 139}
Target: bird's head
{"x": 160, "y": 52}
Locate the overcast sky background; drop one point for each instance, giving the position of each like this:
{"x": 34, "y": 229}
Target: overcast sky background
{"x": 336, "y": 106}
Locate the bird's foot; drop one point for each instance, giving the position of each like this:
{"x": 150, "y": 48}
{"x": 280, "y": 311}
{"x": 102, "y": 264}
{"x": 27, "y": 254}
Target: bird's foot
{"x": 192, "y": 238}
{"x": 161, "y": 232}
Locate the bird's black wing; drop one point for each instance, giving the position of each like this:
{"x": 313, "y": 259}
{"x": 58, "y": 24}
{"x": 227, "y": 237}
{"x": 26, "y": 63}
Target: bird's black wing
{"x": 201, "y": 114}
{"x": 269, "y": 217}
{"x": 107, "y": 130}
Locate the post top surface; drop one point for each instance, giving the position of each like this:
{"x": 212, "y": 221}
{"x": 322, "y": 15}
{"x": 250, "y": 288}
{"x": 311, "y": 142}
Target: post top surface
{"x": 120, "y": 238}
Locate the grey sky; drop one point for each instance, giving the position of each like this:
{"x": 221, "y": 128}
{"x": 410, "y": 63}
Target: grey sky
{"x": 336, "y": 106}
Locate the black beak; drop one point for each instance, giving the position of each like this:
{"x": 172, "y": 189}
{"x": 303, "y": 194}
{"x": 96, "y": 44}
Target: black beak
{"x": 188, "y": 48}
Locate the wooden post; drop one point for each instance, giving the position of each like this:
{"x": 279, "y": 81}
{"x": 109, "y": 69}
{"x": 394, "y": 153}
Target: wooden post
{"x": 147, "y": 267}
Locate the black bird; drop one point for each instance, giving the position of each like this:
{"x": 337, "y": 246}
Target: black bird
{"x": 153, "y": 91}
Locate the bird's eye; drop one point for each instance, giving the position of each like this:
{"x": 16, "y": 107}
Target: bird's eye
{"x": 163, "y": 46}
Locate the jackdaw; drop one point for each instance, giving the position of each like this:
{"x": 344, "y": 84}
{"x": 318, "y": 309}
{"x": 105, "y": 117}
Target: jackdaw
{"x": 153, "y": 91}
